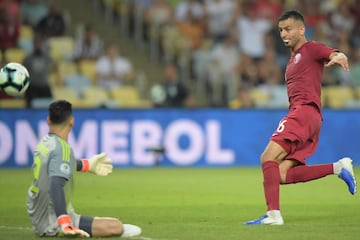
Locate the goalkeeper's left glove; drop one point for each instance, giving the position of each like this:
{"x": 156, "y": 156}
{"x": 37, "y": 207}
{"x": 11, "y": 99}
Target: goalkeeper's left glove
{"x": 68, "y": 230}
{"x": 99, "y": 164}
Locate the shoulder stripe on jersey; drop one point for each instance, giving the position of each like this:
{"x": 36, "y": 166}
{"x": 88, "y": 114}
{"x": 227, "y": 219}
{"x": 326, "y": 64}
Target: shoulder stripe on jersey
{"x": 65, "y": 150}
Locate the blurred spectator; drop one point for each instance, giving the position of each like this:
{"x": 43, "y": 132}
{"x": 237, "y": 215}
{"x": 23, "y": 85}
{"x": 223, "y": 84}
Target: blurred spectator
{"x": 223, "y": 80}
{"x": 2, "y": 63}
{"x": 219, "y": 15}
{"x": 32, "y": 12}
{"x": 113, "y": 70}
{"x": 354, "y": 38}
{"x": 243, "y": 99}
{"x": 193, "y": 30}
{"x": 247, "y": 71}
{"x": 329, "y": 78}
{"x": 9, "y": 31}
{"x": 137, "y": 12}
{"x": 269, "y": 71}
{"x": 171, "y": 92}
{"x": 274, "y": 41}
{"x": 342, "y": 19}
{"x": 270, "y": 9}
{"x": 251, "y": 32}
{"x": 88, "y": 46}
{"x": 355, "y": 68}
{"x": 12, "y": 8}
{"x": 40, "y": 65}
{"x": 53, "y": 24}
{"x": 343, "y": 77}
{"x": 159, "y": 14}
{"x": 271, "y": 81}
{"x": 314, "y": 16}
{"x": 320, "y": 34}
{"x": 192, "y": 7}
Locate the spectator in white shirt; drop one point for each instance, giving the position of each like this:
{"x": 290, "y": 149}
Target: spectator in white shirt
{"x": 251, "y": 33}
{"x": 219, "y": 14}
{"x": 192, "y": 6}
{"x": 113, "y": 70}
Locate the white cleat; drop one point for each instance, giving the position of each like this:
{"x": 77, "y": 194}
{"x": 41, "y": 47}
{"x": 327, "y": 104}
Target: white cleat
{"x": 347, "y": 174}
{"x": 268, "y": 219}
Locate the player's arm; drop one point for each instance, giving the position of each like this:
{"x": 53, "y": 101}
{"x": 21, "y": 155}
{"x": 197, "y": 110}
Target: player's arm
{"x": 98, "y": 164}
{"x": 338, "y": 58}
{"x": 57, "y": 196}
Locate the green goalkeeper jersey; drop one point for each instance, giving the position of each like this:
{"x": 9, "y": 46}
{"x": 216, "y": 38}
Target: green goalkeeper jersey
{"x": 52, "y": 157}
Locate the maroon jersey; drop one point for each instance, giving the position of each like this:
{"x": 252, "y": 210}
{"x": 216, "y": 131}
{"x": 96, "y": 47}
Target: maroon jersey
{"x": 304, "y": 72}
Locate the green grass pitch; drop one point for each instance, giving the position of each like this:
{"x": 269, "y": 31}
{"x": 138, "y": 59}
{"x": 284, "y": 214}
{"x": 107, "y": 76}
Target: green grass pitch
{"x": 195, "y": 203}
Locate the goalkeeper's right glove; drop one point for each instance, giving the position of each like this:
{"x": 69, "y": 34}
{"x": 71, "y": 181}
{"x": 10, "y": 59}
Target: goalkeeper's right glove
{"x": 98, "y": 164}
{"x": 67, "y": 229}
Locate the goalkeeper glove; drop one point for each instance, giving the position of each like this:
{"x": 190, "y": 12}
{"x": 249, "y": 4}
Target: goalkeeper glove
{"x": 98, "y": 164}
{"x": 67, "y": 229}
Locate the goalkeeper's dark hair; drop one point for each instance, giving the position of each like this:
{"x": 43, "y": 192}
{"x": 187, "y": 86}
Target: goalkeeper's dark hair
{"x": 60, "y": 111}
{"x": 292, "y": 14}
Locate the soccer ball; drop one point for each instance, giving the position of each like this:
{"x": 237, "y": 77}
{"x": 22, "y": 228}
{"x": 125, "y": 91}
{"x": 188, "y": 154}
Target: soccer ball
{"x": 14, "y": 79}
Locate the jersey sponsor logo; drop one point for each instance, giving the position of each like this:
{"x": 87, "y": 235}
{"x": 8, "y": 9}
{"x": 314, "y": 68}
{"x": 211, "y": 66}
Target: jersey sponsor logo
{"x": 297, "y": 58}
{"x": 65, "y": 168}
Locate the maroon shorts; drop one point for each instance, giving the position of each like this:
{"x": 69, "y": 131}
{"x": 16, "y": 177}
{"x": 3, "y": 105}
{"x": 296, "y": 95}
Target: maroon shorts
{"x": 298, "y": 132}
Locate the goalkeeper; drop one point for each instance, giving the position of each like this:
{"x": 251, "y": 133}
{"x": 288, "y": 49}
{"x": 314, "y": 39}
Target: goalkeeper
{"x": 49, "y": 196}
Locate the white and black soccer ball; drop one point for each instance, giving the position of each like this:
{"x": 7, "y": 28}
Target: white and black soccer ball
{"x": 14, "y": 79}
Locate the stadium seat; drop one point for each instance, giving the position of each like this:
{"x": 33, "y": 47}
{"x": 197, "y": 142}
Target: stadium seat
{"x": 77, "y": 82}
{"x": 12, "y": 103}
{"x": 63, "y": 92}
{"x": 260, "y": 97}
{"x": 61, "y": 47}
{"x": 98, "y": 97}
{"x": 337, "y": 96}
{"x": 15, "y": 55}
{"x": 87, "y": 67}
{"x": 66, "y": 68}
{"x": 26, "y": 32}
{"x": 128, "y": 97}
{"x": 71, "y": 96}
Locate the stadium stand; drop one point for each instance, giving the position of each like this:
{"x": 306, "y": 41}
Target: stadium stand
{"x": 151, "y": 46}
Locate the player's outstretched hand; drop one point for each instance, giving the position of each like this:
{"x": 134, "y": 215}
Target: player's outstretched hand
{"x": 341, "y": 59}
{"x": 68, "y": 230}
{"x": 100, "y": 165}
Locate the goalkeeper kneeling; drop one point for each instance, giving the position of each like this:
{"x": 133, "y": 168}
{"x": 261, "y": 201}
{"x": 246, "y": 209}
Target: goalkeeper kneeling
{"x": 49, "y": 196}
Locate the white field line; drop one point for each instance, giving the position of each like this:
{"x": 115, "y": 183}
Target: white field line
{"x": 16, "y": 228}
{"x": 149, "y": 238}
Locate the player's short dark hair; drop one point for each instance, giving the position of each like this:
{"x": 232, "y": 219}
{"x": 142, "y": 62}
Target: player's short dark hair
{"x": 60, "y": 111}
{"x": 292, "y": 14}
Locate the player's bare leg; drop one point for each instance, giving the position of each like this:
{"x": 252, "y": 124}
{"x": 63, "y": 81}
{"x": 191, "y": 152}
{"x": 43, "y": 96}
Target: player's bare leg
{"x": 111, "y": 227}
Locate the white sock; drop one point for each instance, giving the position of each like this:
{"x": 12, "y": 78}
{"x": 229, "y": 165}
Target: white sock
{"x": 337, "y": 167}
{"x": 130, "y": 231}
{"x": 276, "y": 214}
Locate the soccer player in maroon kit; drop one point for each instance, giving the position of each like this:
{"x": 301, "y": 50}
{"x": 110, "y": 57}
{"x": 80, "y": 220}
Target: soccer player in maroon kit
{"x": 296, "y": 138}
